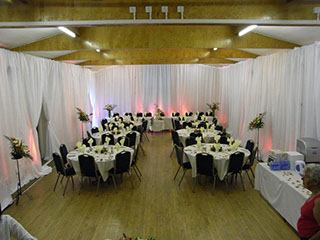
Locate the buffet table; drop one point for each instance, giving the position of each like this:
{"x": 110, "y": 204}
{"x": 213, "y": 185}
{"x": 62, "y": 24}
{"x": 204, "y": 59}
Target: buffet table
{"x": 283, "y": 190}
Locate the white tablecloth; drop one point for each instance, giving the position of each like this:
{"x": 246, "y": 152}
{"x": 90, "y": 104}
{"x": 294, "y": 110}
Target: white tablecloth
{"x": 220, "y": 159}
{"x": 283, "y": 190}
{"x": 157, "y": 125}
{"x": 97, "y": 136}
{"x": 208, "y": 136}
{"x": 104, "y": 161}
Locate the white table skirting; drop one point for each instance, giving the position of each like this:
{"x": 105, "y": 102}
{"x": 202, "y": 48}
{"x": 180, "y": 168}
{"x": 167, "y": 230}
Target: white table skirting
{"x": 220, "y": 159}
{"x": 283, "y": 190}
{"x": 104, "y": 162}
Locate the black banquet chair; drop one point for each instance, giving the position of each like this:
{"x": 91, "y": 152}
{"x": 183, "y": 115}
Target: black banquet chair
{"x": 63, "y": 152}
{"x": 248, "y": 165}
{"x": 134, "y": 163}
{"x": 132, "y": 137}
{"x": 104, "y": 136}
{"x": 190, "y": 141}
{"x": 104, "y": 122}
{"x": 186, "y": 166}
{"x": 205, "y": 167}
{"x": 126, "y": 141}
{"x": 139, "y": 114}
{"x": 89, "y": 169}
{"x": 196, "y": 134}
{"x": 250, "y": 145}
{"x": 62, "y": 170}
{"x": 175, "y": 140}
{"x": 85, "y": 141}
{"x": 94, "y": 130}
{"x": 235, "y": 167}
{"x": 219, "y": 128}
{"x": 121, "y": 165}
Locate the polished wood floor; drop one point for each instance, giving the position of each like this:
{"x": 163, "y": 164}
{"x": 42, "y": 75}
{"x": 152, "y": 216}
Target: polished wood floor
{"x": 155, "y": 207}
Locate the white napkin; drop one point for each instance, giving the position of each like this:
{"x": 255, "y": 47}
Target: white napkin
{"x": 185, "y": 118}
{"x": 122, "y": 142}
{"x": 212, "y": 128}
{"x": 207, "y": 124}
{"x": 117, "y": 117}
{"x": 217, "y": 138}
{"x": 120, "y": 120}
{"x": 121, "y": 125}
{"x": 188, "y": 129}
{"x": 128, "y": 129}
{"x": 107, "y": 139}
{"x": 198, "y": 139}
{"x": 99, "y": 149}
{"x": 79, "y": 145}
{"x": 197, "y": 113}
{"x": 237, "y": 143}
{"x": 117, "y": 146}
{"x": 115, "y": 130}
{"x": 205, "y": 118}
{"x": 233, "y": 147}
{"x": 208, "y": 112}
{"x": 230, "y": 140}
{"x": 135, "y": 119}
{"x": 100, "y": 128}
{"x": 131, "y": 126}
{"x": 195, "y": 118}
{"x": 197, "y": 124}
{"x": 202, "y": 129}
{"x": 145, "y": 113}
{"x": 90, "y": 141}
{"x": 83, "y": 148}
{"x": 110, "y": 126}
{"x": 202, "y": 118}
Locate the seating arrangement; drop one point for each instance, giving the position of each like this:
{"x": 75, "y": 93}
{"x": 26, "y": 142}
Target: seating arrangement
{"x": 104, "y": 136}
{"x": 248, "y": 165}
{"x": 186, "y": 166}
{"x": 132, "y": 137}
{"x": 235, "y": 167}
{"x": 94, "y": 130}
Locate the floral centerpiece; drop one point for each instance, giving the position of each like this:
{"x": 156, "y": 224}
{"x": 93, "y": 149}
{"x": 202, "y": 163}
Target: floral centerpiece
{"x": 18, "y": 149}
{"x": 109, "y": 108}
{"x": 213, "y": 106}
{"x": 82, "y": 116}
{"x": 159, "y": 112}
{"x": 257, "y": 122}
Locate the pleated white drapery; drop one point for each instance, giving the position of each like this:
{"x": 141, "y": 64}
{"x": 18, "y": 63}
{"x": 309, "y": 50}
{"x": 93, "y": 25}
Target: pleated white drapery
{"x": 28, "y": 84}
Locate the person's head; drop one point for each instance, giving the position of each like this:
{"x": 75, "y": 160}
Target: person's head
{"x": 311, "y": 178}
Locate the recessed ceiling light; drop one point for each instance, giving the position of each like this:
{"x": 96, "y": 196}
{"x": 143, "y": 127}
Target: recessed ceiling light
{"x": 67, "y": 31}
{"x": 88, "y": 43}
{"x": 247, "y": 29}
{"x": 215, "y": 49}
{"x": 98, "y": 50}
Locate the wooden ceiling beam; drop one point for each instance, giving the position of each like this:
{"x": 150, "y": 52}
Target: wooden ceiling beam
{"x": 156, "y": 36}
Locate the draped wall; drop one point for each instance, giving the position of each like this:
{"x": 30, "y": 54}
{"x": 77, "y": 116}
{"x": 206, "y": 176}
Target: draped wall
{"x": 284, "y": 85}
{"x": 29, "y": 84}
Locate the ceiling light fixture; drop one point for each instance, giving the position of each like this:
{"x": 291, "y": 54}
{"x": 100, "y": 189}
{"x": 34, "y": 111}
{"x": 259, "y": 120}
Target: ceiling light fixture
{"x": 215, "y": 49}
{"x": 247, "y": 29}
{"x": 98, "y": 50}
{"x": 67, "y": 31}
{"x": 88, "y": 43}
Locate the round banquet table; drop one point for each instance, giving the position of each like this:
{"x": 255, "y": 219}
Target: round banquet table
{"x": 220, "y": 159}
{"x": 104, "y": 161}
{"x": 208, "y": 136}
{"x": 135, "y": 123}
{"x": 97, "y": 136}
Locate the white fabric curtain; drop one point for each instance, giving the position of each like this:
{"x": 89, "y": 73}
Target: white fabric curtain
{"x": 28, "y": 84}
{"x": 285, "y": 85}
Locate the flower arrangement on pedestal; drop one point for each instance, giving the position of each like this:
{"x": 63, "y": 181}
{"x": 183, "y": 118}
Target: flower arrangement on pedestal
{"x": 18, "y": 149}
{"x": 257, "y": 122}
{"x": 213, "y": 106}
{"x": 109, "y": 108}
{"x": 82, "y": 116}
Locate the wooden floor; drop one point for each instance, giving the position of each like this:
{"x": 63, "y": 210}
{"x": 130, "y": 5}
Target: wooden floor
{"x": 155, "y": 207}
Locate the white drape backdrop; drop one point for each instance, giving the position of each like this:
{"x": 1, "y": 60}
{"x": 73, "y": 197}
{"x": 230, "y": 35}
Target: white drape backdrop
{"x": 28, "y": 84}
{"x": 284, "y": 85}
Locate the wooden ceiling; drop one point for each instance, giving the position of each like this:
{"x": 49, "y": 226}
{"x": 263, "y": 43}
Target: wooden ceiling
{"x": 153, "y": 42}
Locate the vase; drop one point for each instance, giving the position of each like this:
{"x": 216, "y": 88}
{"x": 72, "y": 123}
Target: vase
{"x": 109, "y": 113}
{"x": 16, "y": 156}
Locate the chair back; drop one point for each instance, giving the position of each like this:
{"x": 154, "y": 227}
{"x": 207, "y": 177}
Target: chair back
{"x": 250, "y": 145}
{"x": 209, "y": 114}
{"x": 85, "y": 141}
{"x": 145, "y": 125}
{"x": 116, "y": 114}
{"x": 190, "y": 141}
{"x": 177, "y": 124}
{"x": 132, "y": 137}
{"x": 148, "y": 114}
{"x": 63, "y": 152}
{"x": 172, "y": 122}
{"x": 175, "y": 138}
{"x": 201, "y": 114}
{"x": 205, "y": 164}
{"x": 104, "y": 136}
{"x": 87, "y": 165}
{"x": 126, "y": 141}
{"x": 202, "y": 124}
{"x": 58, "y": 163}
{"x": 122, "y": 162}
{"x": 128, "y": 114}
{"x": 223, "y": 140}
{"x": 131, "y": 118}
{"x": 139, "y": 114}
{"x": 94, "y": 130}
{"x": 196, "y": 134}
{"x": 185, "y": 124}
{"x": 135, "y": 159}
{"x": 177, "y": 114}
{"x": 179, "y": 152}
{"x": 252, "y": 157}
{"x": 236, "y": 162}
{"x": 103, "y": 123}
{"x": 189, "y": 114}
{"x": 219, "y": 128}
{"x": 215, "y": 121}
{"x": 89, "y": 135}
{"x": 162, "y": 114}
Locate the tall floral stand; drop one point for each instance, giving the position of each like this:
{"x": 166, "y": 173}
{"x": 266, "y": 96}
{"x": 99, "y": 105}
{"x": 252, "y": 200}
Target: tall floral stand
{"x": 258, "y": 153}
{"x": 109, "y": 113}
{"x": 82, "y": 129}
{"x": 19, "y": 191}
